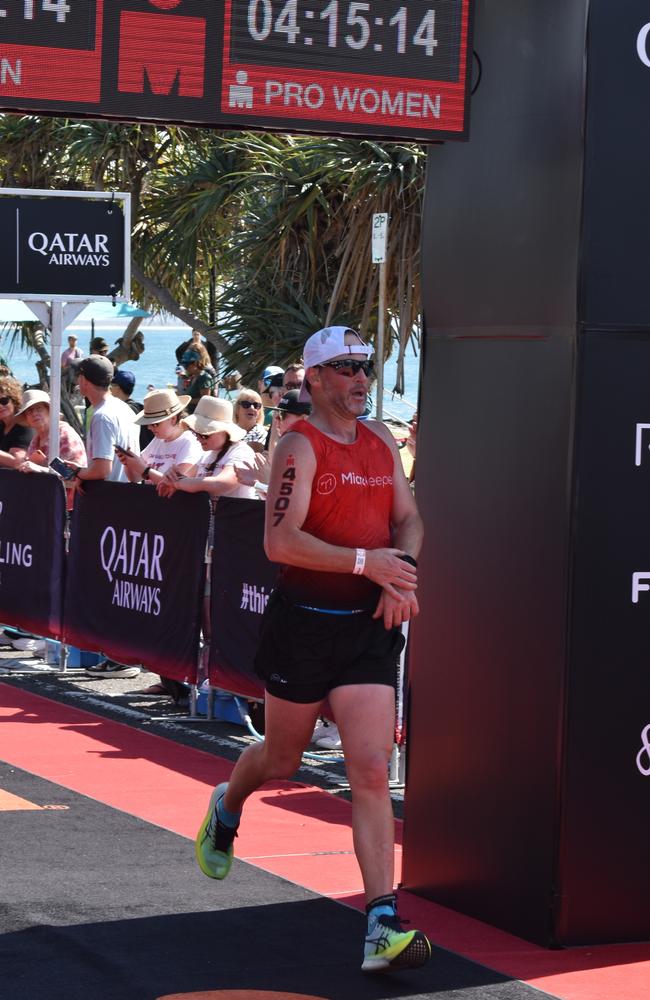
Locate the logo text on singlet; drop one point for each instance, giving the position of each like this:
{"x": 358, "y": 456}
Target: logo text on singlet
{"x": 354, "y": 479}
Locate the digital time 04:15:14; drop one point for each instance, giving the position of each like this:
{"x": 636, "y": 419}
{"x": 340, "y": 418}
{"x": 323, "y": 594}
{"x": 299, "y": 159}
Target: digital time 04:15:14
{"x": 424, "y": 38}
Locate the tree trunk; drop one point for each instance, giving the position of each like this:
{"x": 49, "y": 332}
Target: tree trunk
{"x": 130, "y": 345}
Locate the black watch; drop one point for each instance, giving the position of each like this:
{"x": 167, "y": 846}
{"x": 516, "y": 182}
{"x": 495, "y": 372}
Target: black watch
{"x": 145, "y": 473}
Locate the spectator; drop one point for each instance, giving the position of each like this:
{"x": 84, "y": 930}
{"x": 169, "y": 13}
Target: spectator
{"x": 249, "y": 414}
{"x": 112, "y": 423}
{"x": 262, "y": 387}
{"x": 35, "y": 411}
{"x": 122, "y": 386}
{"x": 194, "y": 343}
{"x": 268, "y": 373}
{"x": 71, "y": 353}
{"x": 289, "y": 412}
{"x": 274, "y": 394}
{"x": 172, "y": 444}
{"x": 99, "y": 346}
{"x": 294, "y": 376}
{"x": 14, "y": 437}
{"x": 223, "y": 449}
{"x": 200, "y": 382}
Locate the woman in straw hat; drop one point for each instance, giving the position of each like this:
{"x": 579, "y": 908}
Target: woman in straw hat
{"x": 172, "y": 444}
{"x": 223, "y": 449}
{"x": 35, "y": 413}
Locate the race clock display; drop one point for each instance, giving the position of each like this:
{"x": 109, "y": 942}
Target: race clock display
{"x": 372, "y": 66}
{"x": 64, "y": 24}
{"x": 384, "y": 68}
{"x": 419, "y": 39}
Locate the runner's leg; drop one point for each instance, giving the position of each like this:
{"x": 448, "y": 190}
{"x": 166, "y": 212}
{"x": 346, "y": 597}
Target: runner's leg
{"x": 365, "y": 715}
{"x": 287, "y": 731}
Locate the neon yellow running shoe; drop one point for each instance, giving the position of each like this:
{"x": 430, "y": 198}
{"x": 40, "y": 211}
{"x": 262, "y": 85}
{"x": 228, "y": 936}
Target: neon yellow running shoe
{"x": 213, "y": 844}
{"x": 389, "y": 947}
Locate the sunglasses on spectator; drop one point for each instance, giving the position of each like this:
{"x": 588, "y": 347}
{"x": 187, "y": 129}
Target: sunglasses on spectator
{"x": 248, "y": 403}
{"x": 349, "y": 367}
{"x": 293, "y": 385}
{"x": 202, "y": 437}
{"x": 4, "y": 400}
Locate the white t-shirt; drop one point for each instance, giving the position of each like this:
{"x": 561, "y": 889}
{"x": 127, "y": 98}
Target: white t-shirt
{"x": 184, "y": 450}
{"x": 112, "y": 424}
{"x": 238, "y": 454}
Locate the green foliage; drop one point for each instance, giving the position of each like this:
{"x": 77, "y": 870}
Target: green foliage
{"x": 261, "y": 237}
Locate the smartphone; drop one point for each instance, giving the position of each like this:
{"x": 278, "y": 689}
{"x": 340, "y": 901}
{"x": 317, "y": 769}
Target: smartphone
{"x": 63, "y": 470}
{"x": 124, "y": 451}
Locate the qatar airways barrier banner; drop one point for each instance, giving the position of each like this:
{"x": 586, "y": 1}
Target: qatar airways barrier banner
{"x": 242, "y": 579}
{"x": 32, "y": 518}
{"x": 136, "y": 571}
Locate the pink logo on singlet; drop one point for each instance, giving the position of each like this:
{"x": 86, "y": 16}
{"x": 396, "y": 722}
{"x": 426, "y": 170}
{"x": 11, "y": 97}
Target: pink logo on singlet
{"x": 326, "y": 484}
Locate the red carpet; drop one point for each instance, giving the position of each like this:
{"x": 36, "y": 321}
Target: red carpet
{"x": 292, "y": 830}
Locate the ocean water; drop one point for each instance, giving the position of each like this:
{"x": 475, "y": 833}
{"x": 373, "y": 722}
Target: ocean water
{"x": 156, "y": 366}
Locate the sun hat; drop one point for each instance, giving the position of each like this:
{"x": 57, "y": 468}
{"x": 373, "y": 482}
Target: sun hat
{"x": 96, "y": 368}
{"x": 161, "y": 404}
{"x": 290, "y": 403}
{"x": 326, "y": 344}
{"x": 30, "y": 398}
{"x": 124, "y": 380}
{"x": 213, "y": 414}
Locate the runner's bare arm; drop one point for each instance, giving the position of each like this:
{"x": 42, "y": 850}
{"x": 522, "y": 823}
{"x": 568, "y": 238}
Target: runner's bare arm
{"x": 406, "y": 523}
{"x": 287, "y": 504}
{"x": 407, "y": 528}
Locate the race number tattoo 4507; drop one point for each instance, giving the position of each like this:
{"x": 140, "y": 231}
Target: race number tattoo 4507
{"x": 283, "y": 500}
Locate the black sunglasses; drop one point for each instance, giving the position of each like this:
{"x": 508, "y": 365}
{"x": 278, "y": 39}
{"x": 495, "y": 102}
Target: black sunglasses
{"x": 247, "y": 403}
{"x": 202, "y": 437}
{"x": 350, "y": 367}
{"x": 4, "y": 400}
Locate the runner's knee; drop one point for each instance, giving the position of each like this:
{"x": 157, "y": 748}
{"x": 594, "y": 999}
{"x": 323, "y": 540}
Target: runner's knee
{"x": 282, "y": 763}
{"x": 369, "y": 773}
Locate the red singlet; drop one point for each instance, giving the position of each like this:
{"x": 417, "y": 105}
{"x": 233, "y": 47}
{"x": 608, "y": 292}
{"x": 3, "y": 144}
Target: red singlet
{"x": 351, "y": 504}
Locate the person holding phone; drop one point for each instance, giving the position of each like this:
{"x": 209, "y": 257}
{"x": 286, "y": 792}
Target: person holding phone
{"x": 35, "y": 413}
{"x": 172, "y": 444}
{"x": 112, "y": 424}
{"x": 223, "y": 449}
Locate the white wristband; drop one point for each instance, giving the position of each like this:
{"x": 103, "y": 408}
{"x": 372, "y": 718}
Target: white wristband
{"x": 260, "y": 487}
{"x": 359, "y": 562}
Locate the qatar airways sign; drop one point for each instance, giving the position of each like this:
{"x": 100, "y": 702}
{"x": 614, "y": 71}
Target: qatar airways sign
{"x": 63, "y": 245}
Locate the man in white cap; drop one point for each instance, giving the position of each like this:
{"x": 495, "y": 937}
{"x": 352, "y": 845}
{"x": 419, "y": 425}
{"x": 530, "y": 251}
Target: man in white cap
{"x": 342, "y": 522}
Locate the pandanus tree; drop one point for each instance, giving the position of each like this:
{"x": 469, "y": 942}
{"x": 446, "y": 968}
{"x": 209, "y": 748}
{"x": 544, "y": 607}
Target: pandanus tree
{"x": 254, "y": 239}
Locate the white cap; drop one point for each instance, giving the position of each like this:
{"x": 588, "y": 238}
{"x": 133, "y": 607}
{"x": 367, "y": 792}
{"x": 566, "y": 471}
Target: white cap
{"x": 326, "y": 344}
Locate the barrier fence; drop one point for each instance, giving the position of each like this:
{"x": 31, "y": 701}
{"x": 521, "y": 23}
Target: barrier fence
{"x": 132, "y": 583}
{"x": 32, "y": 552}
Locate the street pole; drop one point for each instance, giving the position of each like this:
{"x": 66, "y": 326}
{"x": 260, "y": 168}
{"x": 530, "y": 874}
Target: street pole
{"x": 381, "y": 339}
{"x": 56, "y": 336}
{"x": 379, "y": 242}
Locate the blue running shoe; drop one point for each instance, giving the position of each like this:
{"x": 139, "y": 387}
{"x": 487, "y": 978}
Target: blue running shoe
{"x": 213, "y": 845}
{"x": 389, "y": 947}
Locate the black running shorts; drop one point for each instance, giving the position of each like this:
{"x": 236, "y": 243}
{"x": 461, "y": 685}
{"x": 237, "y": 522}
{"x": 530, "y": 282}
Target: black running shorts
{"x": 303, "y": 655}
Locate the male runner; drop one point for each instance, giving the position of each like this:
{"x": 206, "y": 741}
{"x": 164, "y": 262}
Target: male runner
{"x": 342, "y": 521}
